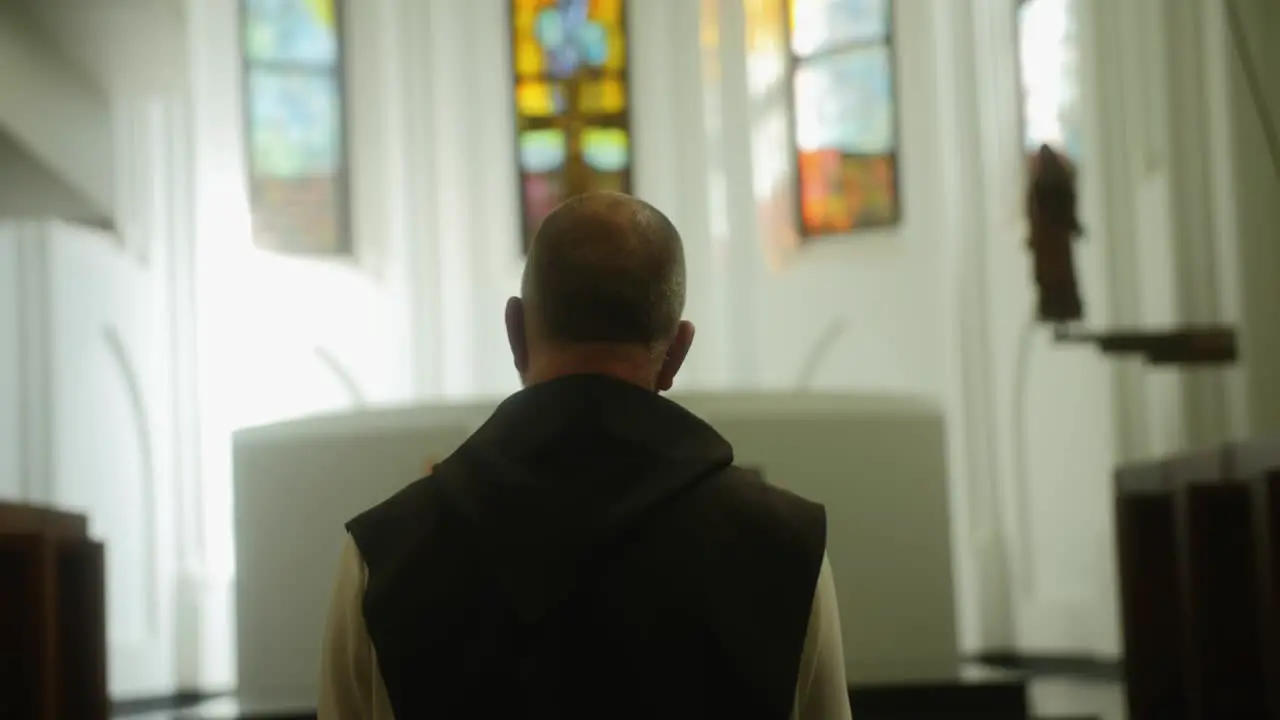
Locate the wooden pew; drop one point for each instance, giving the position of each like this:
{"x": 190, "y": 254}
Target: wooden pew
{"x": 1198, "y": 537}
{"x": 52, "y": 617}
{"x": 1220, "y": 560}
{"x": 1151, "y": 608}
{"x": 1261, "y": 462}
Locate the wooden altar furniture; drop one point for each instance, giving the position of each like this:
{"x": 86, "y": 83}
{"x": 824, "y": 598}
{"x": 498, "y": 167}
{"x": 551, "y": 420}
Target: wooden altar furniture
{"x": 52, "y": 617}
{"x": 1198, "y": 537}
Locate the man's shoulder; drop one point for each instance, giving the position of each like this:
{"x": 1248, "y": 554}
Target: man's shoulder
{"x": 388, "y": 522}
{"x": 750, "y": 488}
{"x": 407, "y": 500}
{"x": 746, "y": 495}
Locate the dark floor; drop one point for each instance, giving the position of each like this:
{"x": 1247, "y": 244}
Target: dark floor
{"x": 1052, "y": 691}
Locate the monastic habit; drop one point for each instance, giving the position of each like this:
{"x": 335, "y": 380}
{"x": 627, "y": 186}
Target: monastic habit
{"x": 591, "y": 552}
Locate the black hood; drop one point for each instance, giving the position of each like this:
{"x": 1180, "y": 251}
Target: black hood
{"x": 564, "y": 471}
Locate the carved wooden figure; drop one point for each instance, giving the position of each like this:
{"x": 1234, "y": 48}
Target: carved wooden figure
{"x": 1051, "y": 211}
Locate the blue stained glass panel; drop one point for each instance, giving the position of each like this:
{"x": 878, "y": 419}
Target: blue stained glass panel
{"x": 844, "y": 101}
{"x": 819, "y": 25}
{"x": 295, "y": 124}
{"x": 542, "y": 151}
{"x": 291, "y": 31}
{"x": 569, "y": 38}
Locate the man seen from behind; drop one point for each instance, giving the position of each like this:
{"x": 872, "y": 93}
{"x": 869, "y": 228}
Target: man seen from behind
{"x": 591, "y": 551}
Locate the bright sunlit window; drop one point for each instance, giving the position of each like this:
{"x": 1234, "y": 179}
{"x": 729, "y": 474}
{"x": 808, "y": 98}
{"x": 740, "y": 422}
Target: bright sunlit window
{"x": 1049, "y": 59}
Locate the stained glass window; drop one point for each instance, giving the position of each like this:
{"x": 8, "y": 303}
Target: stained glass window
{"x": 573, "y": 133}
{"x": 293, "y": 96}
{"x": 1048, "y": 58}
{"x": 845, "y": 118}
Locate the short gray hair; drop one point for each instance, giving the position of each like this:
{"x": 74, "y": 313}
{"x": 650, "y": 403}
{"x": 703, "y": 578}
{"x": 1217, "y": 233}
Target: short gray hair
{"x": 606, "y": 268}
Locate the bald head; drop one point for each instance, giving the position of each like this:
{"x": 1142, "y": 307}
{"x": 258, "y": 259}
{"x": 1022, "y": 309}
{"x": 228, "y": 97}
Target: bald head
{"x": 605, "y": 268}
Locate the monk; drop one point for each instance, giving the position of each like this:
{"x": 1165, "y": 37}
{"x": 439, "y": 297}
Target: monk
{"x": 591, "y": 551}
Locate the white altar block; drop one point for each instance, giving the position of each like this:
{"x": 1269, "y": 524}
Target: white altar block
{"x": 878, "y": 464}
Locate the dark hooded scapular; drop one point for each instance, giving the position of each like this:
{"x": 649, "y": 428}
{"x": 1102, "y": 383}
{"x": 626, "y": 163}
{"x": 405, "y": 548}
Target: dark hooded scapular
{"x": 590, "y": 552}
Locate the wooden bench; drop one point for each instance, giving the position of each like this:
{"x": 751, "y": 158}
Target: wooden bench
{"x": 52, "y": 617}
{"x": 1198, "y": 537}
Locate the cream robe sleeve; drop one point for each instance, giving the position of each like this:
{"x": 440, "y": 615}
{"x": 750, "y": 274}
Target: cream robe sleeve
{"x": 822, "y": 692}
{"x": 351, "y": 686}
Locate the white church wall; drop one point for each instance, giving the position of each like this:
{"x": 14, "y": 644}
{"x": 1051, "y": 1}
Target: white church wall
{"x": 940, "y": 305}
{"x": 113, "y": 437}
{"x": 877, "y": 295}
{"x": 1062, "y": 417}
{"x": 1156, "y": 207}
{"x": 1050, "y": 405}
{"x": 465, "y": 210}
{"x": 282, "y": 336}
{"x": 295, "y": 335}
{"x": 1059, "y": 418}
{"x": 1247, "y": 188}
{"x": 23, "y": 430}
{"x": 1182, "y": 138}
{"x": 11, "y": 419}
{"x": 889, "y": 308}
{"x": 117, "y": 48}
{"x": 93, "y": 363}
{"x": 89, "y": 386}
{"x": 54, "y": 110}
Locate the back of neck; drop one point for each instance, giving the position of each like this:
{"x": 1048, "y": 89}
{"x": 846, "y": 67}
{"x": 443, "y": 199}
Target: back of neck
{"x": 627, "y": 365}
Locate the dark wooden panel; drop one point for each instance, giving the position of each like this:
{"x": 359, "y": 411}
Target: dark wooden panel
{"x": 1258, "y": 463}
{"x": 27, "y": 519}
{"x": 1270, "y": 507}
{"x": 82, "y": 622}
{"x": 1225, "y": 669}
{"x": 1198, "y": 539}
{"x": 1152, "y": 602}
{"x": 26, "y": 690}
{"x": 52, "y": 618}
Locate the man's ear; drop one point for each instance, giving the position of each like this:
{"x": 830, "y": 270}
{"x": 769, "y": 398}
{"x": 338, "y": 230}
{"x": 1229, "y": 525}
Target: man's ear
{"x": 676, "y": 353}
{"x": 517, "y": 337}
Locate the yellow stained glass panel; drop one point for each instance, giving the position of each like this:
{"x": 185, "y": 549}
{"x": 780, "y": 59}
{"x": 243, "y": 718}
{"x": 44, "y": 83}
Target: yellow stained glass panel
{"x": 324, "y": 12}
{"x": 607, "y": 96}
{"x": 617, "y": 59}
{"x": 535, "y": 98}
{"x": 569, "y": 60}
{"x": 528, "y": 57}
{"x": 607, "y": 12}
